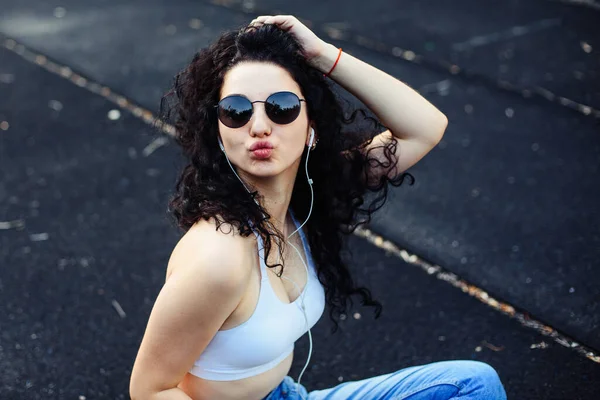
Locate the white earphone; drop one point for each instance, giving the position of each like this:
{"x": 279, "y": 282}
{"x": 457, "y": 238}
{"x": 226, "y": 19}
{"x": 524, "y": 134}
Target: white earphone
{"x": 302, "y": 307}
{"x": 312, "y": 136}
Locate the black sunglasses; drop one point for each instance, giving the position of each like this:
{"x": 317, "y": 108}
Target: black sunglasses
{"x": 281, "y": 107}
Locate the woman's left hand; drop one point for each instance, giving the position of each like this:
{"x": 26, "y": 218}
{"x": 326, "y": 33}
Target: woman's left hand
{"x": 312, "y": 44}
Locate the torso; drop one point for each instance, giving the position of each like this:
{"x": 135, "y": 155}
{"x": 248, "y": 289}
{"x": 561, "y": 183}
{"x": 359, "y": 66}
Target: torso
{"x": 255, "y": 387}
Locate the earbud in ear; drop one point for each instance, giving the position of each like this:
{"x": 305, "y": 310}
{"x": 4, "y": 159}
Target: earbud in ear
{"x": 312, "y": 137}
{"x": 221, "y": 144}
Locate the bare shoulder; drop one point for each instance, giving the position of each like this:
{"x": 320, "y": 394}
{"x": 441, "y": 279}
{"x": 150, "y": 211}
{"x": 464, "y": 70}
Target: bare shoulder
{"x": 208, "y": 276}
{"x": 205, "y": 241}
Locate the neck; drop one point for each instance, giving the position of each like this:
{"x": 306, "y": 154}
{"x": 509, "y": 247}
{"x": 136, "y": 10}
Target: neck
{"x": 278, "y": 207}
{"x": 276, "y": 195}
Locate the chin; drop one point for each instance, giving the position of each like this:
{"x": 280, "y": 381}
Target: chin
{"x": 262, "y": 168}
{"x": 263, "y": 172}
{"x": 267, "y": 168}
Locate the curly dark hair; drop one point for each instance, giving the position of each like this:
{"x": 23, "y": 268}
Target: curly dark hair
{"x": 207, "y": 187}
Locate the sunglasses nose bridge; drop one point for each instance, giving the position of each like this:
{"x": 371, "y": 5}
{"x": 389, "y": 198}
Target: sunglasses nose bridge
{"x": 260, "y": 123}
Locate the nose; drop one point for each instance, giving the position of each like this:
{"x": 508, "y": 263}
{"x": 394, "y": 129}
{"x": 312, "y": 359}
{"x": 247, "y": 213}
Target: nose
{"x": 260, "y": 124}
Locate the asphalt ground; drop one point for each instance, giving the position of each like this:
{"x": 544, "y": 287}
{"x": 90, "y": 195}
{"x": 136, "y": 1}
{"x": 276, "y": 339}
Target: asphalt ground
{"x": 522, "y": 185}
{"x": 93, "y": 205}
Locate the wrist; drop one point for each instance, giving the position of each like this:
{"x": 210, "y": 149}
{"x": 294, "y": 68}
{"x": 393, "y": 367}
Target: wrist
{"x": 326, "y": 59}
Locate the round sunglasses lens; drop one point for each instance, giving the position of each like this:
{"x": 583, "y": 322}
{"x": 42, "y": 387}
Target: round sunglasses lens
{"x": 235, "y": 111}
{"x": 283, "y": 107}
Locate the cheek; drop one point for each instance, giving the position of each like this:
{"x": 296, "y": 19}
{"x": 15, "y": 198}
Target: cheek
{"x": 300, "y": 128}
{"x": 230, "y": 136}
{"x": 298, "y": 142}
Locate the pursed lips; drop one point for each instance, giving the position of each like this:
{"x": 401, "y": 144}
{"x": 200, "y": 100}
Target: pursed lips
{"x": 261, "y": 145}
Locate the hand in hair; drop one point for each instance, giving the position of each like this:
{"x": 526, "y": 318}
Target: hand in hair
{"x": 313, "y": 46}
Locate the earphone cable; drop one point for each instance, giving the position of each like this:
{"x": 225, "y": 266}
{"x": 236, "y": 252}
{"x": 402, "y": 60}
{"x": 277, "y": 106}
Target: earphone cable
{"x": 302, "y": 294}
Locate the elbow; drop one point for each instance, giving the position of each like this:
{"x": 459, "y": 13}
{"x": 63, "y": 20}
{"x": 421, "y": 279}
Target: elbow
{"x": 440, "y": 128}
{"x": 443, "y": 124}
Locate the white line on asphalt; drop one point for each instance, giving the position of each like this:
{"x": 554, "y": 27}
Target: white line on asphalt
{"x": 15, "y": 224}
{"x": 474, "y": 291}
{"x": 119, "y": 309}
{"x": 588, "y": 3}
{"x": 510, "y": 33}
{"x": 155, "y": 144}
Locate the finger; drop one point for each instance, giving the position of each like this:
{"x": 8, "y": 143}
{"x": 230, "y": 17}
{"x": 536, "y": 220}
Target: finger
{"x": 285, "y": 22}
{"x": 272, "y": 19}
{"x": 258, "y": 21}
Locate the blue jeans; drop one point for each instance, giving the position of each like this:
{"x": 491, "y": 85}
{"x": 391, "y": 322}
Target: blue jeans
{"x": 444, "y": 380}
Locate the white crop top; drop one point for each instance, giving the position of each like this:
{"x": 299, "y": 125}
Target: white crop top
{"x": 268, "y": 336}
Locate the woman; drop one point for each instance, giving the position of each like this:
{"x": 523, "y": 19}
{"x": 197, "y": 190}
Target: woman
{"x": 251, "y": 109}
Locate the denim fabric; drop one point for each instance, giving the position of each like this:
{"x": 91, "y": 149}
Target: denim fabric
{"x": 444, "y": 380}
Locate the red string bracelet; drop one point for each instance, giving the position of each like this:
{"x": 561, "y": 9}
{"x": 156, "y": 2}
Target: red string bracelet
{"x": 336, "y": 61}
